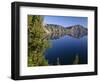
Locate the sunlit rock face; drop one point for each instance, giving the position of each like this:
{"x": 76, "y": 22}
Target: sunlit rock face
{"x": 77, "y": 31}
{"x": 57, "y": 31}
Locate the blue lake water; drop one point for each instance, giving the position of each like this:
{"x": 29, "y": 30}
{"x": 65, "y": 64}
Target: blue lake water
{"x": 66, "y": 48}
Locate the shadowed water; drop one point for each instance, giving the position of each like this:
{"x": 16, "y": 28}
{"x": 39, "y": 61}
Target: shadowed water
{"x": 67, "y": 49}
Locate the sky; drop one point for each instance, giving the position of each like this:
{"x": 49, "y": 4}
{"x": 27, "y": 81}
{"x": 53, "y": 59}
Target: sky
{"x": 66, "y": 20}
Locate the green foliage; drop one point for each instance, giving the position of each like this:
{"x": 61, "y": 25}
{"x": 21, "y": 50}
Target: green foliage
{"x": 36, "y": 44}
{"x": 76, "y": 60}
{"x": 58, "y": 61}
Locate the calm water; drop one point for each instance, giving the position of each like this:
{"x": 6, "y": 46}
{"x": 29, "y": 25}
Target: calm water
{"x": 66, "y": 48}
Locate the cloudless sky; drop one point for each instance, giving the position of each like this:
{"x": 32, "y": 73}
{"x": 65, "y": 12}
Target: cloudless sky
{"x": 66, "y": 20}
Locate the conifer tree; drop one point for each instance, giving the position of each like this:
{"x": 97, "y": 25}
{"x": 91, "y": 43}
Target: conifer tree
{"x": 36, "y": 44}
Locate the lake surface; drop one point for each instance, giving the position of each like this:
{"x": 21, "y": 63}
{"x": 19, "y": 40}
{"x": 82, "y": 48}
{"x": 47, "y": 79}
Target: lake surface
{"x": 66, "y": 48}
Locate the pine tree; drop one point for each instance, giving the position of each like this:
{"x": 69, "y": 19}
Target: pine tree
{"x": 58, "y": 61}
{"x": 36, "y": 44}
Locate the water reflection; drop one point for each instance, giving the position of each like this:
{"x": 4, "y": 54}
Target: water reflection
{"x": 54, "y": 36}
{"x": 66, "y": 50}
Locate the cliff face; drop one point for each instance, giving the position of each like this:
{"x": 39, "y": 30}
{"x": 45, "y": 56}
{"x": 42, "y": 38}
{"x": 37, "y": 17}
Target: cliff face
{"x": 52, "y": 28}
{"x": 76, "y": 31}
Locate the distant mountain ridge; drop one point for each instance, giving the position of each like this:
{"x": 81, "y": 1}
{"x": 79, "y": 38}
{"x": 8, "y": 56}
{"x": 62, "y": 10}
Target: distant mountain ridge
{"x": 76, "y": 31}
